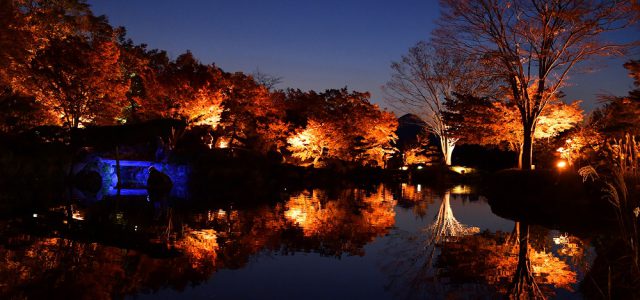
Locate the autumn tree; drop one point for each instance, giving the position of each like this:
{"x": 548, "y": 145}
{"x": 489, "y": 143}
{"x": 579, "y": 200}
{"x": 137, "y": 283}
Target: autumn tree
{"x": 343, "y": 124}
{"x": 424, "y": 78}
{"x": 18, "y": 112}
{"x": 533, "y": 40}
{"x": 37, "y": 41}
{"x": 312, "y": 142}
{"x": 78, "y": 78}
{"x": 29, "y": 26}
{"x": 492, "y": 122}
{"x": 181, "y": 89}
{"x": 253, "y": 117}
{"x": 376, "y": 143}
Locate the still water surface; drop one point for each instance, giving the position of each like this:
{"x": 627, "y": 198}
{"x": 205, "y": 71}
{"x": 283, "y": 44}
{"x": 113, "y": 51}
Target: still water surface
{"x": 382, "y": 242}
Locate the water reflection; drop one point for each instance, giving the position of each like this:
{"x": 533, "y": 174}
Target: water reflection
{"x": 128, "y": 246}
{"x": 348, "y": 222}
{"x": 448, "y": 259}
{"x": 445, "y": 224}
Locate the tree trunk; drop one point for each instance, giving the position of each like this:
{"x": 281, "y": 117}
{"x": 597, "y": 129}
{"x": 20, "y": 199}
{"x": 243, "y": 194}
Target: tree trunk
{"x": 523, "y": 285}
{"x": 520, "y": 157}
{"x": 448, "y": 155}
{"x": 447, "y": 146}
{"x": 527, "y": 147}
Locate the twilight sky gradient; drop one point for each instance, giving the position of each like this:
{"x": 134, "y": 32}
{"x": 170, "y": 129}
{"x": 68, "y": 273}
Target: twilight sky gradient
{"x": 312, "y": 44}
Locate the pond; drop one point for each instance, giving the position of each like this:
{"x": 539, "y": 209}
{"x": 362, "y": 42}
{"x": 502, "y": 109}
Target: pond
{"x": 395, "y": 241}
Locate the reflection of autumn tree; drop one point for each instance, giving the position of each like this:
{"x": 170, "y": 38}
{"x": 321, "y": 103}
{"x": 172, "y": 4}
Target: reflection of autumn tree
{"x": 243, "y": 233}
{"x": 483, "y": 265}
{"x": 200, "y": 247}
{"x": 415, "y": 197}
{"x": 523, "y": 284}
{"x": 60, "y": 268}
{"x": 334, "y": 223}
{"x": 445, "y": 224}
{"x": 414, "y": 258}
{"x": 521, "y": 271}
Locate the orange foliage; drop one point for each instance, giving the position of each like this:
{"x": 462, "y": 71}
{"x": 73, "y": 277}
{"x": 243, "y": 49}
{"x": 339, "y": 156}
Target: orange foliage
{"x": 325, "y": 219}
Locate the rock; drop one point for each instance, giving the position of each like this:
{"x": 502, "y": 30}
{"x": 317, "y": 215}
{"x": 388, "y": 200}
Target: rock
{"x": 158, "y": 184}
{"x": 88, "y": 181}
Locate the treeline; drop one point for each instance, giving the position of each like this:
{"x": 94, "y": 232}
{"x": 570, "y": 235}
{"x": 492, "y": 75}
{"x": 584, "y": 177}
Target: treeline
{"x": 62, "y": 65}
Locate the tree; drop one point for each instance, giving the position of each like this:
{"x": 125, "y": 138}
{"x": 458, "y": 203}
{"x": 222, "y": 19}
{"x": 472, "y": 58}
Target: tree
{"x": 253, "y": 117}
{"x": 530, "y": 41}
{"x": 182, "y": 89}
{"x": 78, "y": 79}
{"x": 341, "y": 125}
{"x": 29, "y": 26}
{"x": 621, "y": 115}
{"x": 424, "y": 78}
{"x": 62, "y": 55}
{"x": 490, "y": 122}
{"x": 378, "y": 137}
{"x": 18, "y": 113}
{"x": 267, "y": 80}
{"x": 313, "y": 142}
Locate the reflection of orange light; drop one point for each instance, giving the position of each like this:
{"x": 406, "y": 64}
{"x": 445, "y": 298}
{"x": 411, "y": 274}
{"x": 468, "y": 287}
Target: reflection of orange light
{"x": 77, "y": 215}
{"x": 223, "y": 144}
{"x": 561, "y": 164}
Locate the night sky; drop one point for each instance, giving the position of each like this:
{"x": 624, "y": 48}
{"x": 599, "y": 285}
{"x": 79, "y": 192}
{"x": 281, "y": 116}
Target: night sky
{"x": 313, "y": 44}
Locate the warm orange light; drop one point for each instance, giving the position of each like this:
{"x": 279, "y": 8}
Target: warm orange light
{"x": 223, "y": 144}
{"x": 561, "y": 164}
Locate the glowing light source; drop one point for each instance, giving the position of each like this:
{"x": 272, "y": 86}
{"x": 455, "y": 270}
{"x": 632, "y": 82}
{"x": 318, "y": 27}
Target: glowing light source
{"x": 462, "y": 170}
{"x": 419, "y": 168}
{"x": 77, "y": 215}
{"x": 561, "y": 164}
{"x": 404, "y": 168}
{"x": 223, "y": 144}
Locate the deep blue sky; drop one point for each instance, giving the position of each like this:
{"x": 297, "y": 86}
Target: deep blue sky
{"x": 312, "y": 44}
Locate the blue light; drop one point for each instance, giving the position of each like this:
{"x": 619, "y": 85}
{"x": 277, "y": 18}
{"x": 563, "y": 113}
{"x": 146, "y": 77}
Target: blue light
{"x": 134, "y": 175}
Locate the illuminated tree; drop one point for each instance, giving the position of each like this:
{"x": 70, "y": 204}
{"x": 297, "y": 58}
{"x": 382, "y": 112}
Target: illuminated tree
{"x": 486, "y": 122}
{"x": 378, "y": 137}
{"x": 530, "y": 41}
{"x": 252, "y": 116}
{"x": 29, "y": 26}
{"x": 182, "y": 89}
{"x": 424, "y": 78}
{"x": 80, "y": 80}
{"x": 64, "y": 57}
{"x": 312, "y": 142}
{"x": 341, "y": 125}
